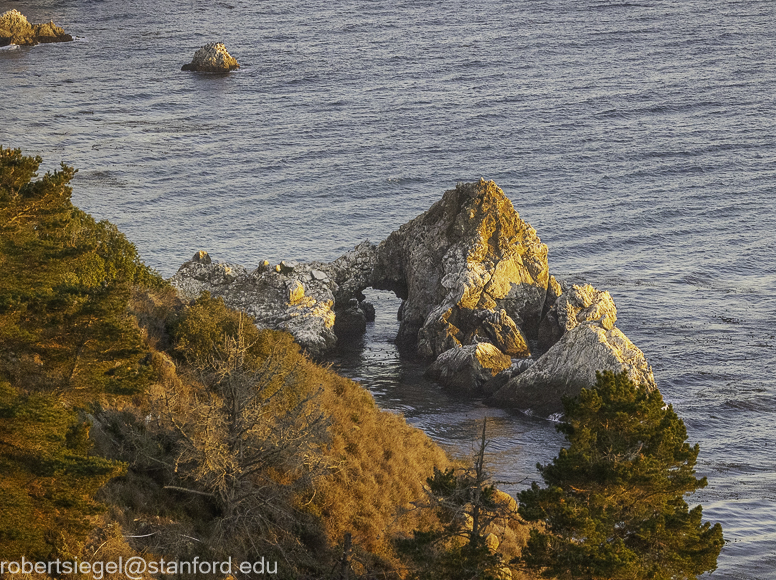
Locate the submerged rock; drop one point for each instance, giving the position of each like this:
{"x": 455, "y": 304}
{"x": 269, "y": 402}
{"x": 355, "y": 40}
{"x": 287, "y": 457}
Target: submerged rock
{"x": 15, "y": 29}
{"x": 212, "y": 57}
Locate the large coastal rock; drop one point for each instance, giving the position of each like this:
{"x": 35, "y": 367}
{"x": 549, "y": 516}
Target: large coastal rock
{"x": 212, "y": 57}
{"x": 470, "y": 252}
{"x": 15, "y": 29}
{"x": 571, "y": 364}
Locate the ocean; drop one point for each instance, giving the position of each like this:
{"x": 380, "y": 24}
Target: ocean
{"x": 638, "y": 138}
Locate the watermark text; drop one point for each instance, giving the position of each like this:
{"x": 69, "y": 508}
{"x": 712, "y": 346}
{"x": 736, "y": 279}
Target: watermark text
{"x": 136, "y": 567}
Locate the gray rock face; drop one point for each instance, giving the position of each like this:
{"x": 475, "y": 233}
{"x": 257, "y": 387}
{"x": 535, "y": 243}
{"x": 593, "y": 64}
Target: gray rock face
{"x": 570, "y": 365}
{"x": 295, "y": 302}
{"x": 469, "y": 252}
{"x": 15, "y": 29}
{"x": 467, "y": 368}
{"x": 297, "y": 297}
{"x": 212, "y": 57}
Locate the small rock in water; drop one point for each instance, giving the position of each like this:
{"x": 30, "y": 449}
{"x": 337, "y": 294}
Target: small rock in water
{"x": 15, "y": 29}
{"x": 368, "y": 309}
{"x": 212, "y": 57}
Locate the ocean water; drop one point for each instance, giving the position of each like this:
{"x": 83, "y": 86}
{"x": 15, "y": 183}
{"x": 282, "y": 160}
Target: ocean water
{"x": 638, "y": 138}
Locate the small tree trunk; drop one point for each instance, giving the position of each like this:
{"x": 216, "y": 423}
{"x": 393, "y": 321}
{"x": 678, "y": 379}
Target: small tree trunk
{"x": 347, "y": 551}
{"x": 479, "y": 464}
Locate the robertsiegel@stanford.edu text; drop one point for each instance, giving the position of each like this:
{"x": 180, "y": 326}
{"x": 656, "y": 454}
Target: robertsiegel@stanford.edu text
{"x": 136, "y": 567}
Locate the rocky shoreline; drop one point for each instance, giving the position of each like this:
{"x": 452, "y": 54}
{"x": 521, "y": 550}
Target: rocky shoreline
{"x": 478, "y": 303}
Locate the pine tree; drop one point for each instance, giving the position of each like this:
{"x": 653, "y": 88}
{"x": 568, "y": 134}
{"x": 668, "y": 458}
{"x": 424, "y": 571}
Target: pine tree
{"x": 613, "y": 505}
{"x": 67, "y": 341}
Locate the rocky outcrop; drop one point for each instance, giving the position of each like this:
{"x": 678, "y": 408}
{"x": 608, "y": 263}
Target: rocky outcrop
{"x": 15, "y": 29}
{"x": 477, "y": 296}
{"x": 469, "y": 253}
{"x": 212, "y": 57}
{"x": 467, "y": 368}
{"x": 304, "y": 299}
{"x": 291, "y": 298}
{"x": 571, "y": 364}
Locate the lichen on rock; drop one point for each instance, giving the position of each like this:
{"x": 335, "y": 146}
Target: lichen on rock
{"x": 15, "y": 29}
{"x": 212, "y": 57}
{"x": 476, "y": 297}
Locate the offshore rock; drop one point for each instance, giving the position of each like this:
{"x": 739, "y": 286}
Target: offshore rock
{"x": 570, "y": 365}
{"x": 350, "y": 321}
{"x": 212, "y": 57}
{"x": 469, "y": 252}
{"x": 15, "y": 29}
{"x": 468, "y": 367}
{"x": 475, "y": 290}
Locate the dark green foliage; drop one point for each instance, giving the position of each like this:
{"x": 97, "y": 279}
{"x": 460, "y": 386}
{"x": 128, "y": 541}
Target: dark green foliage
{"x": 614, "y": 503}
{"x": 65, "y": 282}
{"x": 66, "y": 341}
{"x": 47, "y": 477}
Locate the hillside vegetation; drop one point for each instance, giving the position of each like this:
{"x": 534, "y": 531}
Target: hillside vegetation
{"x": 134, "y": 424}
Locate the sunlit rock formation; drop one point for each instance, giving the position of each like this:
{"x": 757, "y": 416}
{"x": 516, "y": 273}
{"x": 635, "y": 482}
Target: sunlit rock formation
{"x": 212, "y": 57}
{"x": 15, "y": 29}
{"x": 478, "y": 303}
{"x": 467, "y": 267}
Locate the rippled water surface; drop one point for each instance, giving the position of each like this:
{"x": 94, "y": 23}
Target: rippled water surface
{"x": 639, "y": 139}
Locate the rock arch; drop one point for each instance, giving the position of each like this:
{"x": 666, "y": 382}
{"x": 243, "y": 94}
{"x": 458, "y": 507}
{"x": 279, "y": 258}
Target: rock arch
{"x": 469, "y": 271}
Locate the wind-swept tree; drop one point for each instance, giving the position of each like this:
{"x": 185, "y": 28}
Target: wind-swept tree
{"x": 66, "y": 341}
{"x": 613, "y": 506}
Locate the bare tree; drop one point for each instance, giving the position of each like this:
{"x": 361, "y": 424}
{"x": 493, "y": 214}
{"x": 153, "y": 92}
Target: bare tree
{"x": 467, "y": 505}
{"x": 250, "y": 435}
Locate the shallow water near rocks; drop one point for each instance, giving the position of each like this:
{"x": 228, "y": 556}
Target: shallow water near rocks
{"x": 637, "y": 138}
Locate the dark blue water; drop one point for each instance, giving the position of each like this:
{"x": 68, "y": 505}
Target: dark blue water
{"x": 639, "y": 139}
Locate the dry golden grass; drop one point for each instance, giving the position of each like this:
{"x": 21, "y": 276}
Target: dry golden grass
{"x": 378, "y": 464}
